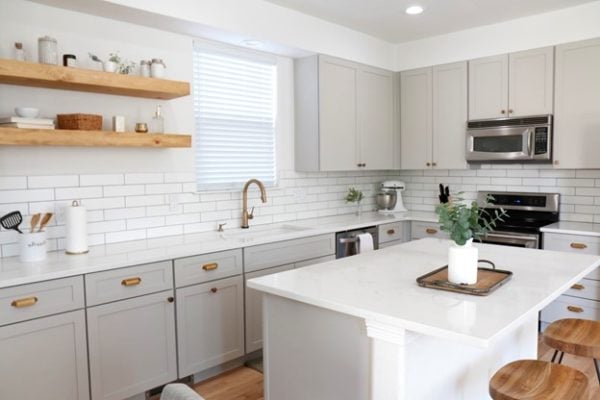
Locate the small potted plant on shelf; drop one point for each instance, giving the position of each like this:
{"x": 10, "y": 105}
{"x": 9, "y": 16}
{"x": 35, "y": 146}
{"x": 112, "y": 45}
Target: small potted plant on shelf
{"x": 115, "y": 64}
{"x": 465, "y": 222}
{"x": 355, "y": 196}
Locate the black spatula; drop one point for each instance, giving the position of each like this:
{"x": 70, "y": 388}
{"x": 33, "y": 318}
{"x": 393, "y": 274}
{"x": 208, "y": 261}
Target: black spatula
{"x": 12, "y": 221}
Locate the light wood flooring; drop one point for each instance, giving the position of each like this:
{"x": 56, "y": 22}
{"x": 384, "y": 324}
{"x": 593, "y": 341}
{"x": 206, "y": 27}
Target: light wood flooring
{"x": 247, "y": 384}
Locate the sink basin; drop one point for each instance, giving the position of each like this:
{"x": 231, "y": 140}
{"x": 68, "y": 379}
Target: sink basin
{"x": 254, "y": 232}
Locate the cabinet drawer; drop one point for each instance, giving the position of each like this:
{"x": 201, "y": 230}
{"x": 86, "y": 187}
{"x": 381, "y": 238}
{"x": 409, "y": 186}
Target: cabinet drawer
{"x": 287, "y": 252}
{"x": 585, "y": 289}
{"x": 571, "y": 307}
{"x": 420, "y": 230}
{"x": 390, "y": 244}
{"x": 574, "y": 244}
{"x": 391, "y": 232}
{"x": 208, "y": 267}
{"x": 124, "y": 283}
{"x": 35, "y": 300}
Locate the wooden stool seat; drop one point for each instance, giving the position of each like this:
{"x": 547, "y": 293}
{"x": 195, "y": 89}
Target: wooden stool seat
{"x": 580, "y": 337}
{"x": 538, "y": 380}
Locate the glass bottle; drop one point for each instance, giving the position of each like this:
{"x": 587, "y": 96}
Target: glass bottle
{"x": 158, "y": 122}
{"x": 19, "y": 52}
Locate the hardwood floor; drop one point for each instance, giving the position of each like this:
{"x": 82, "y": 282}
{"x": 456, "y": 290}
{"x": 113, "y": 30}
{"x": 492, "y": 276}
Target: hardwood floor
{"x": 239, "y": 384}
{"x": 247, "y": 384}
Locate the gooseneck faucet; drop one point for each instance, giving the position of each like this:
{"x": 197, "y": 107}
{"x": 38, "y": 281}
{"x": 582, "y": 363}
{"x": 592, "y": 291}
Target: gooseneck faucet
{"x": 263, "y": 196}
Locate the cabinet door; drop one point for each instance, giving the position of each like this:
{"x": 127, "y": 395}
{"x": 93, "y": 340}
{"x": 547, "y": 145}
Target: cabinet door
{"x": 132, "y": 345}
{"x": 488, "y": 87}
{"x": 254, "y": 309}
{"x": 577, "y": 108}
{"x": 449, "y": 115}
{"x": 44, "y": 359}
{"x": 376, "y": 118}
{"x": 531, "y": 82}
{"x": 415, "y": 119}
{"x": 210, "y": 324}
{"x": 337, "y": 115}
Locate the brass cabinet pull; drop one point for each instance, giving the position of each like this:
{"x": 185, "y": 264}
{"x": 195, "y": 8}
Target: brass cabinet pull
{"x": 575, "y": 309}
{"x": 510, "y": 111}
{"x": 579, "y": 246}
{"x": 214, "y": 290}
{"x": 502, "y": 111}
{"x": 170, "y": 299}
{"x": 131, "y": 281}
{"x": 434, "y": 164}
{"x": 428, "y": 164}
{"x": 431, "y": 231}
{"x": 25, "y": 302}
{"x": 210, "y": 266}
{"x": 391, "y": 231}
{"x": 578, "y": 286}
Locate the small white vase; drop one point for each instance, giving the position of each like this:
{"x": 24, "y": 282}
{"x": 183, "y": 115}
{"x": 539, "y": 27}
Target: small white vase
{"x": 462, "y": 263}
{"x": 109, "y": 66}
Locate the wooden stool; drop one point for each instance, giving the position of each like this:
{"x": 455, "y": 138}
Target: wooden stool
{"x": 580, "y": 337}
{"x": 538, "y": 380}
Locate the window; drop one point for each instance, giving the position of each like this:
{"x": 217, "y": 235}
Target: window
{"x": 234, "y": 108}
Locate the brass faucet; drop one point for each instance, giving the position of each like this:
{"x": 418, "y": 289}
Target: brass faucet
{"x": 263, "y": 196}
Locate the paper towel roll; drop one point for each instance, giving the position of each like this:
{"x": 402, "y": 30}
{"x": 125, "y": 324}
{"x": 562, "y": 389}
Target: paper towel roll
{"x": 76, "y": 226}
{"x": 365, "y": 241}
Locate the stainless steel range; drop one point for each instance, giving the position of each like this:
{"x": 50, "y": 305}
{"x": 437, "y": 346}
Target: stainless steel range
{"x": 527, "y": 213}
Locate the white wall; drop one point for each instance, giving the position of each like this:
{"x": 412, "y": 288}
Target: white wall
{"x": 562, "y": 26}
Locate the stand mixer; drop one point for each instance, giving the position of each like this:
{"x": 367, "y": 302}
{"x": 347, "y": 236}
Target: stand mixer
{"x": 389, "y": 198}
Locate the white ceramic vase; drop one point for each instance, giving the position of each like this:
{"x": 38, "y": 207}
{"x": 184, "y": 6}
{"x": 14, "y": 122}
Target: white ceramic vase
{"x": 462, "y": 263}
{"x": 109, "y": 66}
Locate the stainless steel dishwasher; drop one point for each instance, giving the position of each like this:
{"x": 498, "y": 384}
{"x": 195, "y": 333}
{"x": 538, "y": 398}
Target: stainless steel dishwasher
{"x": 347, "y": 243}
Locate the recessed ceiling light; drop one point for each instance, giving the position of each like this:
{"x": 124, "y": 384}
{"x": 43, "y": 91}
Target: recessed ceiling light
{"x": 414, "y": 10}
{"x": 252, "y": 43}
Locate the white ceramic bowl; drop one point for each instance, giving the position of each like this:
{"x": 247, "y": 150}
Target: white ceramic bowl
{"x": 27, "y": 112}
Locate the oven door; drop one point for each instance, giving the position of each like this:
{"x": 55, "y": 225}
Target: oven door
{"x": 500, "y": 144}
{"x": 515, "y": 239}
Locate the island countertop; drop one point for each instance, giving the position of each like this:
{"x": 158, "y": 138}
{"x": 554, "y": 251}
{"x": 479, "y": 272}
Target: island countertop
{"x": 381, "y": 286}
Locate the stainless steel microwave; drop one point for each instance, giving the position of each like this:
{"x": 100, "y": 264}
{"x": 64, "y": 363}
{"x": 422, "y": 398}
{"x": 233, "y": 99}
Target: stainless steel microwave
{"x": 510, "y": 139}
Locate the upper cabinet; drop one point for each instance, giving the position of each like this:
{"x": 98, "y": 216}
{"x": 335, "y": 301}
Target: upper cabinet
{"x": 512, "y": 85}
{"x": 344, "y": 116}
{"x": 433, "y": 116}
{"x": 577, "y": 116}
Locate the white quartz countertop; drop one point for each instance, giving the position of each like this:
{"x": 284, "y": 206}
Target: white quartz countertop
{"x": 573, "y": 228}
{"x": 382, "y": 286}
{"x": 100, "y": 258}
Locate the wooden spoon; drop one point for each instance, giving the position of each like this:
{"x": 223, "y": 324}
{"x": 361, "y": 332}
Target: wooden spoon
{"x": 34, "y": 221}
{"x": 45, "y": 220}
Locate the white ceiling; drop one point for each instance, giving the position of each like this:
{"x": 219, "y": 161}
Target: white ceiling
{"x": 387, "y": 20}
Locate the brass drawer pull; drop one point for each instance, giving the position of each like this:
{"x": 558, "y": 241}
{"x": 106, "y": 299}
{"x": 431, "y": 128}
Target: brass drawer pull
{"x": 575, "y": 309}
{"x": 214, "y": 290}
{"x": 170, "y": 299}
{"x": 131, "y": 281}
{"x": 391, "y": 231}
{"x": 210, "y": 267}
{"x": 578, "y": 286}
{"x": 431, "y": 231}
{"x": 25, "y": 302}
{"x": 579, "y": 246}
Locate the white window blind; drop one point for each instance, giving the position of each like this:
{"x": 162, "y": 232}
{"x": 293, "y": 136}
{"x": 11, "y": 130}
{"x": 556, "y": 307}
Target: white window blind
{"x": 234, "y": 107}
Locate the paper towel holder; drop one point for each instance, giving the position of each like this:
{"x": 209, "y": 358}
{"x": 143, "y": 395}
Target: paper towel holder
{"x": 76, "y": 203}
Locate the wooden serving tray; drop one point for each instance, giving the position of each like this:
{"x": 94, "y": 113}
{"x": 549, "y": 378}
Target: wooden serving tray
{"x": 488, "y": 280}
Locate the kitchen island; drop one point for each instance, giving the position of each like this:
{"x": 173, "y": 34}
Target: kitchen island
{"x": 361, "y": 328}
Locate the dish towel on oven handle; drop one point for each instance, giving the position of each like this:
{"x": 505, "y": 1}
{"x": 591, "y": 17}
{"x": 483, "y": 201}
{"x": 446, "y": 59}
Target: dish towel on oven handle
{"x": 365, "y": 242}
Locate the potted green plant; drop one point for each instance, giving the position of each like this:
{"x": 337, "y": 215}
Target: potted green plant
{"x": 464, "y": 222}
{"x": 355, "y": 196}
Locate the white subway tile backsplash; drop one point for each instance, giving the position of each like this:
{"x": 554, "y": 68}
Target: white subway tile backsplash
{"x": 52, "y": 181}
{"x": 13, "y": 182}
{"x": 124, "y": 236}
{"x": 125, "y": 213}
{"x": 25, "y": 196}
{"x": 75, "y": 193}
{"x": 101, "y": 179}
{"x": 138, "y": 201}
{"x": 146, "y": 222}
{"x": 132, "y": 179}
{"x": 165, "y": 231}
{"x": 163, "y": 188}
{"x": 123, "y": 190}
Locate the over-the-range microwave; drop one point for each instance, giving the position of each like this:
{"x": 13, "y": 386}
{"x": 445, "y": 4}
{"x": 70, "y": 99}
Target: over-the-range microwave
{"x": 510, "y": 139}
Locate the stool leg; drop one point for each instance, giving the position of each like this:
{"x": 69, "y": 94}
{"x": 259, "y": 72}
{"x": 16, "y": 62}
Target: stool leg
{"x": 562, "y": 354}
{"x": 554, "y": 356}
{"x": 597, "y": 364}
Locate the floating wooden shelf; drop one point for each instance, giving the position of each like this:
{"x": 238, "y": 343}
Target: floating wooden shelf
{"x": 72, "y": 138}
{"x": 85, "y": 80}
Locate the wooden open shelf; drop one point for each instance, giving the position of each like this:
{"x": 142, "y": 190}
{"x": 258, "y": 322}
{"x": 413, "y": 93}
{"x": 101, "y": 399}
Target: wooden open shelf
{"x": 84, "y": 80}
{"x": 62, "y": 137}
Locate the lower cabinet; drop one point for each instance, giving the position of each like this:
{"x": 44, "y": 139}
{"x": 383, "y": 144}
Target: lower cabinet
{"x": 254, "y": 309}
{"x": 44, "y": 358}
{"x": 131, "y": 345}
{"x": 210, "y": 324}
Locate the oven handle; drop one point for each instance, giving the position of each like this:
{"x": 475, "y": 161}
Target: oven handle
{"x": 510, "y": 239}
